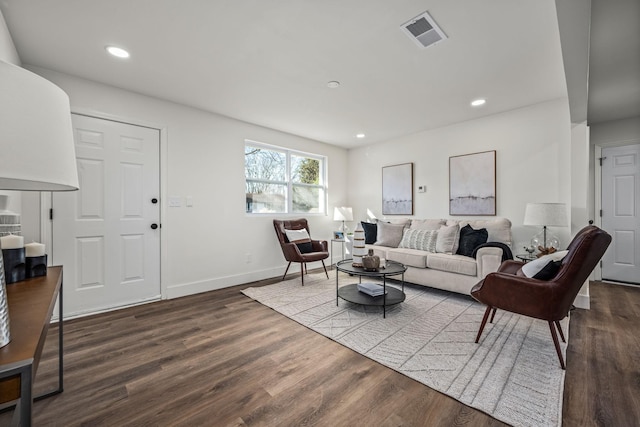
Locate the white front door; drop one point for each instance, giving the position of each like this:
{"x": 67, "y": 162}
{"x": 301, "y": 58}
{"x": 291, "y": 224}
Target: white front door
{"x": 620, "y": 213}
{"x": 107, "y": 234}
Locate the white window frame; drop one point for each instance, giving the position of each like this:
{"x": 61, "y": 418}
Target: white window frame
{"x": 288, "y": 180}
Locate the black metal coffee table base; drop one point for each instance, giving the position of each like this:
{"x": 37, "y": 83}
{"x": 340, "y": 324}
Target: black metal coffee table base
{"x": 352, "y": 294}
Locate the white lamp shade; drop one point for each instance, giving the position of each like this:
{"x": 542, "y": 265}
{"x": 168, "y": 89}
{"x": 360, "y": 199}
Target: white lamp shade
{"x": 36, "y": 138}
{"x": 342, "y": 213}
{"x": 549, "y": 214}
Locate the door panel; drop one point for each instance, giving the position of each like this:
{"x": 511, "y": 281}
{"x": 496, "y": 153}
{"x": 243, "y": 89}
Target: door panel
{"x": 620, "y": 216}
{"x": 101, "y": 233}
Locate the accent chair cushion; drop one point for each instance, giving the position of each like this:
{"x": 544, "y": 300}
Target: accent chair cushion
{"x": 470, "y": 239}
{"x": 301, "y": 239}
{"x": 532, "y": 268}
{"x": 389, "y": 234}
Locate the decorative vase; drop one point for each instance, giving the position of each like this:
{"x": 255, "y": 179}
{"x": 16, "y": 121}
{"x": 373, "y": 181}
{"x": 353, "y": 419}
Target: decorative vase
{"x": 371, "y": 262}
{"x": 358, "y": 246}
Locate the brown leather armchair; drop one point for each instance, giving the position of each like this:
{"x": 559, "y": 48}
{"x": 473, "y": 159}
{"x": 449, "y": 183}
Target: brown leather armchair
{"x": 547, "y": 300}
{"x": 292, "y": 253}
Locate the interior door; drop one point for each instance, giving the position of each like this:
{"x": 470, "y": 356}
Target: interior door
{"x": 620, "y": 216}
{"x": 107, "y": 234}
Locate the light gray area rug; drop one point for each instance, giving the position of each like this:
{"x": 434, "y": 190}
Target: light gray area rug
{"x": 513, "y": 374}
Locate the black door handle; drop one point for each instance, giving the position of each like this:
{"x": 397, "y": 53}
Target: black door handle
{"x": 154, "y": 200}
{"x": 154, "y": 226}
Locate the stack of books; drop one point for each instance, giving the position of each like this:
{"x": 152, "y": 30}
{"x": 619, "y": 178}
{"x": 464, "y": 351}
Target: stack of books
{"x": 373, "y": 289}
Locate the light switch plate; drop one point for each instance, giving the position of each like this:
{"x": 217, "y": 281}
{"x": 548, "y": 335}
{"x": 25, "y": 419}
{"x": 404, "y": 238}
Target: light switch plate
{"x": 175, "y": 202}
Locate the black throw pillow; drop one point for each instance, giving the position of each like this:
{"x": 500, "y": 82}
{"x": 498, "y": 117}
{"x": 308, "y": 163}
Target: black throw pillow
{"x": 370, "y": 232}
{"x": 549, "y": 271}
{"x": 470, "y": 239}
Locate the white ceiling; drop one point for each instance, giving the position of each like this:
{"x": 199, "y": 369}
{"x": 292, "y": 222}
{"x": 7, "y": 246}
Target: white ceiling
{"x": 268, "y": 62}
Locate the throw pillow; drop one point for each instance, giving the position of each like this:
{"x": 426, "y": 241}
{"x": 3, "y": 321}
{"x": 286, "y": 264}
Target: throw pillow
{"x": 389, "y": 234}
{"x": 470, "y": 239}
{"x": 301, "y": 239}
{"x": 532, "y": 268}
{"x": 424, "y": 240}
{"x": 447, "y": 240}
{"x": 549, "y": 271}
{"x": 370, "y": 232}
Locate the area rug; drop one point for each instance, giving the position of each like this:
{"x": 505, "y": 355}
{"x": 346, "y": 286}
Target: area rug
{"x": 513, "y": 374}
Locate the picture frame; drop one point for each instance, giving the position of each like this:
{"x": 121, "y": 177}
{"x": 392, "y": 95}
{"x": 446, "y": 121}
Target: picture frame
{"x": 397, "y": 189}
{"x": 338, "y": 235}
{"x": 472, "y": 184}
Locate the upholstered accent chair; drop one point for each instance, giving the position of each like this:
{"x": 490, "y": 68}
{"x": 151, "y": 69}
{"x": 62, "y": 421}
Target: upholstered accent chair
{"x": 303, "y": 250}
{"x": 550, "y": 300}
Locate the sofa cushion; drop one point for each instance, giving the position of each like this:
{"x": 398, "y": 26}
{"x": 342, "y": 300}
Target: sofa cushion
{"x": 424, "y": 240}
{"x": 389, "y": 234}
{"x": 370, "y": 232}
{"x": 427, "y": 224}
{"x": 448, "y": 237}
{"x": 470, "y": 239}
{"x": 408, "y": 257}
{"x": 452, "y": 263}
{"x": 498, "y": 229}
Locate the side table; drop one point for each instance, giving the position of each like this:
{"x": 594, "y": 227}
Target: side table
{"x": 526, "y": 257}
{"x": 342, "y": 242}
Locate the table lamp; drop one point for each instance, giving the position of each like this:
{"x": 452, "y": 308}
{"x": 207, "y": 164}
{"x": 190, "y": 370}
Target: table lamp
{"x": 343, "y": 214}
{"x": 546, "y": 214}
{"x": 37, "y": 152}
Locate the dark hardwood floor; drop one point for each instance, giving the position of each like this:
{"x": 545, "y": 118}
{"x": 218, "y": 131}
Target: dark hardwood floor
{"x": 221, "y": 359}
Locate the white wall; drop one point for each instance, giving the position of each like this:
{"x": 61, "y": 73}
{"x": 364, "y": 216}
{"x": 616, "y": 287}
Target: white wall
{"x": 8, "y": 51}
{"x": 616, "y": 132}
{"x": 205, "y": 247}
{"x": 533, "y": 147}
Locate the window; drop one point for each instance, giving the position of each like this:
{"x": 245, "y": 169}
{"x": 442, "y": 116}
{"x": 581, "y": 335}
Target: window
{"x": 283, "y": 181}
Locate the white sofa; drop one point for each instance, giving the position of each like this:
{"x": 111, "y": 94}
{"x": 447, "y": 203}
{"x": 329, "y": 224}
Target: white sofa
{"x": 449, "y": 271}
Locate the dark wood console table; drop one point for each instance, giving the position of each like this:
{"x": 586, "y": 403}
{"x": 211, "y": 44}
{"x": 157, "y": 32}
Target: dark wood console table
{"x": 31, "y": 303}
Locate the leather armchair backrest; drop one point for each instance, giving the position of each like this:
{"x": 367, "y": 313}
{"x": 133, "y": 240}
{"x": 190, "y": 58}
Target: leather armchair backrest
{"x": 294, "y": 224}
{"x": 585, "y": 250}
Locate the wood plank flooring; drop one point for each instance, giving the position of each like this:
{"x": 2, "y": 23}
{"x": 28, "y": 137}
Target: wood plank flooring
{"x": 221, "y": 359}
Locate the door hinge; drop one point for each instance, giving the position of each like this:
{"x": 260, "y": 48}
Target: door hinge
{"x": 600, "y": 213}
{"x": 600, "y": 264}
{"x": 601, "y": 159}
{"x": 51, "y": 214}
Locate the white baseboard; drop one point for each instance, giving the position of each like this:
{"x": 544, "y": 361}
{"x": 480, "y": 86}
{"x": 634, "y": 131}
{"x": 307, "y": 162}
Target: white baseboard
{"x": 184, "y": 289}
{"x": 582, "y": 301}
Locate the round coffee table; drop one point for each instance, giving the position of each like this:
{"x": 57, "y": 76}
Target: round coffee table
{"x": 351, "y": 293}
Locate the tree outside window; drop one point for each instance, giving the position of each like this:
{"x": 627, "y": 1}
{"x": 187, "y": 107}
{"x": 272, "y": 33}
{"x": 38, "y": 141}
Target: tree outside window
{"x": 283, "y": 181}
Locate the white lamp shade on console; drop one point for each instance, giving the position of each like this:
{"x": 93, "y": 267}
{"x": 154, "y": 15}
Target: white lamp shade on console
{"x": 546, "y": 214}
{"x": 36, "y": 137}
{"x": 37, "y": 152}
{"x": 343, "y": 214}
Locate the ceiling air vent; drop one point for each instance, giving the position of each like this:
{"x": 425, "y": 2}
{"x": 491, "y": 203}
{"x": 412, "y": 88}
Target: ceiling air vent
{"x": 423, "y": 30}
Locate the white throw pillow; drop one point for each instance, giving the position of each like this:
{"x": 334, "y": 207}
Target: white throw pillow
{"x": 532, "y": 268}
{"x": 448, "y": 239}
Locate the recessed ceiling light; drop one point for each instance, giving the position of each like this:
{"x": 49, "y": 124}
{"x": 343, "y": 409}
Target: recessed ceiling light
{"x": 117, "y": 51}
{"x": 478, "y": 102}
{"x": 360, "y": 135}
{"x": 333, "y": 84}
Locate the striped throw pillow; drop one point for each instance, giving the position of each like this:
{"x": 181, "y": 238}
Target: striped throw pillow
{"x": 424, "y": 240}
